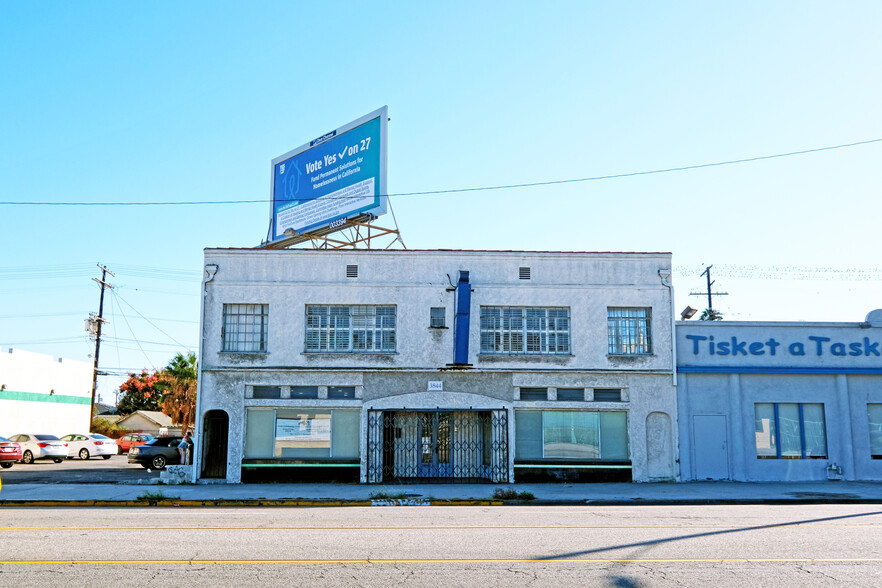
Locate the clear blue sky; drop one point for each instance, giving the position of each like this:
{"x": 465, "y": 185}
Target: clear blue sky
{"x": 182, "y": 101}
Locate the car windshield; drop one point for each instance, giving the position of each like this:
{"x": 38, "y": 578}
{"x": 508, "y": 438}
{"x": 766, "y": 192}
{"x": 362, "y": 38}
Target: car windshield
{"x": 4, "y": 440}
{"x": 97, "y": 436}
{"x": 164, "y": 441}
{"x": 47, "y": 437}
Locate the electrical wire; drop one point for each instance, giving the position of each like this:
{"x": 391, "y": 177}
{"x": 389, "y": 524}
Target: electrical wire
{"x": 463, "y": 190}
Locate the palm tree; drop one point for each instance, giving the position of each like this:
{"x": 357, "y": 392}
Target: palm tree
{"x": 179, "y": 397}
{"x": 709, "y": 314}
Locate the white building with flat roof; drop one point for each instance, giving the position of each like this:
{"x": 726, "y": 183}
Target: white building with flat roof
{"x": 401, "y": 365}
{"x": 43, "y": 394}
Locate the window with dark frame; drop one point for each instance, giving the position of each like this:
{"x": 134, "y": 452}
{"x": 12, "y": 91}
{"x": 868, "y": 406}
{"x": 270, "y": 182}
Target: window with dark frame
{"x": 534, "y": 393}
{"x": 245, "y": 328}
{"x": 517, "y": 330}
{"x": 266, "y": 391}
{"x": 790, "y": 430}
{"x": 628, "y": 331}
{"x": 303, "y": 392}
{"x": 607, "y": 395}
{"x": 350, "y": 329}
{"x": 437, "y": 317}
{"x": 341, "y": 392}
{"x": 571, "y": 394}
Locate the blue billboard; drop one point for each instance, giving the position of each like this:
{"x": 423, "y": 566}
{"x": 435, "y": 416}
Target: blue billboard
{"x": 334, "y": 177}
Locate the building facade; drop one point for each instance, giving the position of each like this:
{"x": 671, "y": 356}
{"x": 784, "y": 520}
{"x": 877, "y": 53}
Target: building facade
{"x": 382, "y": 365}
{"x": 43, "y": 394}
{"x": 770, "y": 401}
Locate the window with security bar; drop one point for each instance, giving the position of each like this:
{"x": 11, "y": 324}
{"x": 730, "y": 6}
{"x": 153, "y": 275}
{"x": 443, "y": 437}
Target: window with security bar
{"x": 628, "y": 331}
{"x": 518, "y": 330}
{"x": 245, "y": 328}
{"x": 350, "y": 329}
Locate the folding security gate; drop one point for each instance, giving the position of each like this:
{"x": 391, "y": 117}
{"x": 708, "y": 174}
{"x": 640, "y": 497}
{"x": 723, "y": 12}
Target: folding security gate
{"x": 437, "y": 445}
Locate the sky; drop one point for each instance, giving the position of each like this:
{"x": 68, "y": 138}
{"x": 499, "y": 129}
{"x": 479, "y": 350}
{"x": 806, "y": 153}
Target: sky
{"x": 110, "y": 106}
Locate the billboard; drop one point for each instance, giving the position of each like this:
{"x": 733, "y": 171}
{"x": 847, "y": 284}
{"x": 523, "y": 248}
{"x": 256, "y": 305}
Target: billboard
{"x": 334, "y": 177}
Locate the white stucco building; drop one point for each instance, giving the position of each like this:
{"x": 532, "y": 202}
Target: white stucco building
{"x": 43, "y": 394}
{"x": 765, "y": 401}
{"x": 395, "y": 365}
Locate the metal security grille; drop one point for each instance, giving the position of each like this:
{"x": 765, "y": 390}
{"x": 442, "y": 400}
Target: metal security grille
{"x": 350, "y": 329}
{"x": 437, "y": 445}
{"x": 525, "y": 330}
{"x": 628, "y": 331}
{"x": 245, "y": 327}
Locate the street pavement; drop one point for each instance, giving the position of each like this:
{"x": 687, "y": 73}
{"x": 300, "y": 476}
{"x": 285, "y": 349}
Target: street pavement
{"x": 841, "y": 492}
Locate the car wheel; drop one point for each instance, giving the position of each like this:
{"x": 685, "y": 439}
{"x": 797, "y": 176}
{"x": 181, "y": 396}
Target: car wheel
{"x": 6, "y": 465}
{"x": 106, "y": 456}
{"x": 27, "y": 457}
{"x": 58, "y": 460}
{"x": 119, "y": 450}
{"x": 158, "y": 462}
{"x": 84, "y": 453}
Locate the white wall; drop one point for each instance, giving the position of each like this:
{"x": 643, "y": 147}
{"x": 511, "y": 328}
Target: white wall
{"x": 43, "y": 394}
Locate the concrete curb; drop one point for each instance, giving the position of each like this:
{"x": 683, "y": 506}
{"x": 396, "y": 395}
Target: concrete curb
{"x": 174, "y": 502}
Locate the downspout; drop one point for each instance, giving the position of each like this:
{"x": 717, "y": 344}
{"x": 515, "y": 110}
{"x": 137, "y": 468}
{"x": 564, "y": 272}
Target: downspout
{"x": 463, "y": 317}
{"x": 665, "y": 275}
{"x": 210, "y": 271}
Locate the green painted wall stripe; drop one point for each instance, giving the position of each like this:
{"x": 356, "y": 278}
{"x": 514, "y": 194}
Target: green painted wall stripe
{"x": 34, "y": 397}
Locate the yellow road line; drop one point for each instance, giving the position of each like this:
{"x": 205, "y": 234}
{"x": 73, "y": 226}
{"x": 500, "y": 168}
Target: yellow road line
{"x": 433, "y": 561}
{"x": 410, "y": 527}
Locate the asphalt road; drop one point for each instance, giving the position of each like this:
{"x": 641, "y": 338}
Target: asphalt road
{"x": 95, "y": 470}
{"x": 620, "y": 547}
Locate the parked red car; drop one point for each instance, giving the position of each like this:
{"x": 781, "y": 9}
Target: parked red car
{"x": 126, "y": 442}
{"x": 9, "y": 452}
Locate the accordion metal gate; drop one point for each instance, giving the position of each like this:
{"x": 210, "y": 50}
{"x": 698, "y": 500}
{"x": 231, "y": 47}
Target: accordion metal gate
{"x": 438, "y": 446}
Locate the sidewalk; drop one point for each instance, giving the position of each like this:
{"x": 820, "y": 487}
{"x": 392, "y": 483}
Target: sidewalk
{"x": 439, "y": 494}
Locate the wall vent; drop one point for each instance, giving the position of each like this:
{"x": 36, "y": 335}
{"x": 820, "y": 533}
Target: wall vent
{"x": 524, "y": 273}
{"x": 351, "y": 271}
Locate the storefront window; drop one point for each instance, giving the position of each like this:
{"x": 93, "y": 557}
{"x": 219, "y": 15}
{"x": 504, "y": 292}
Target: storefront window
{"x": 874, "y": 416}
{"x": 304, "y": 434}
{"x": 790, "y": 430}
{"x": 571, "y": 435}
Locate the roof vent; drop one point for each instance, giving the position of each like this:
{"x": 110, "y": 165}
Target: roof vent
{"x": 524, "y": 273}
{"x": 351, "y": 271}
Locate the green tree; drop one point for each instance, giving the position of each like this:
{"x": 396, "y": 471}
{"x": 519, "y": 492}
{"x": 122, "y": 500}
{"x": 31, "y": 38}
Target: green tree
{"x": 709, "y": 314}
{"x": 140, "y": 392}
{"x": 178, "y": 384}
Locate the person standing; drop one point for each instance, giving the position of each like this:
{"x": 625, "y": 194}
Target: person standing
{"x": 184, "y": 448}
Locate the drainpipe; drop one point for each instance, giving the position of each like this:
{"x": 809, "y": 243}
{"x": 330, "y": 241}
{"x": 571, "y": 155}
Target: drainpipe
{"x": 461, "y": 324}
{"x": 210, "y": 271}
{"x": 665, "y": 275}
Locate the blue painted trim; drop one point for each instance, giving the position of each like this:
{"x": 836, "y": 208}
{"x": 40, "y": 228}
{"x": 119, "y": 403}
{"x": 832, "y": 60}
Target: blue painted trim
{"x": 801, "y": 431}
{"x": 776, "y": 370}
{"x": 777, "y": 431}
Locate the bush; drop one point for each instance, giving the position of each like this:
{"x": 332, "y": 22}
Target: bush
{"x": 512, "y": 494}
{"x": 106, "y": 428}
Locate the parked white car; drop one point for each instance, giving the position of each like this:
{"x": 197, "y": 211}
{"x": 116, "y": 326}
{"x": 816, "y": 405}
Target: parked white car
{"x": 36, "y": 446}
{"x": 86, "y": 446}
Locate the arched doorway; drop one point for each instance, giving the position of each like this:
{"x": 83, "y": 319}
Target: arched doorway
{"x": 215, "y": 429}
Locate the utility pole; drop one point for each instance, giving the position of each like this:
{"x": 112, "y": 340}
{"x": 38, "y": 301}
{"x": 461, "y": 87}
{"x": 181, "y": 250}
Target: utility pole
{"x": 95, "y": 323}
{"x": 710, "y": 300}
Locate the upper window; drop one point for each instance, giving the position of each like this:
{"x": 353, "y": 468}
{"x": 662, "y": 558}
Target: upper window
{"x": 790, "y": 430}
{"x": 350, "y": 329}
{"x": 628, "y": 331}
{"x": 437, "y": 317}
{"x": 245, "y": 327}
{"x": 525, "y": 330}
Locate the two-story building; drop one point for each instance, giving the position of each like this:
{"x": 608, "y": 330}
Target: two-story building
{"x": 398, "y": 365}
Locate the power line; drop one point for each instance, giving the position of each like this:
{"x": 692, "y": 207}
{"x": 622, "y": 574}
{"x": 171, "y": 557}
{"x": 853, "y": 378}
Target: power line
{"x": 462, "y": 190}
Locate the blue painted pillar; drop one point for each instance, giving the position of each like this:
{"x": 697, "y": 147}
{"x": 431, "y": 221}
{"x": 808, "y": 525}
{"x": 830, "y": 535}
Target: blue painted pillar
{"x": 463, "y": 316}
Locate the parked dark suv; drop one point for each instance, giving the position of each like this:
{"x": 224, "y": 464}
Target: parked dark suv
{"x": 157, "y": 453}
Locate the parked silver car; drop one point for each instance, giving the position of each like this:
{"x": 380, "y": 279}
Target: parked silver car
{"x": 36, "y": 446}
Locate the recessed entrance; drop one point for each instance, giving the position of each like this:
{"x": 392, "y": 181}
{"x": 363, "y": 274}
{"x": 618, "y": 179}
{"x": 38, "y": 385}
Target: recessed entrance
{"x": 437, "y": 445}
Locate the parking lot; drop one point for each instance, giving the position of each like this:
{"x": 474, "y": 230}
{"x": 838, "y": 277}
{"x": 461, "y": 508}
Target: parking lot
{"x": 116, "y": 470}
